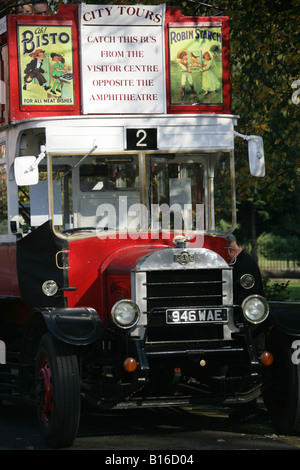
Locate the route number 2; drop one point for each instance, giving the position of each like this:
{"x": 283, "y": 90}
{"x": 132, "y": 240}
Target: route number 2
{"x": 141, "y": 139}
{"x": 141, "y": 135}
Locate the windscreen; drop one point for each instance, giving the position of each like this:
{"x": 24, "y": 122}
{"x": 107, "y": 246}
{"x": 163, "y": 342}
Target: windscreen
{"x": 177, "y": 192}
{"x": 189, "y": 192}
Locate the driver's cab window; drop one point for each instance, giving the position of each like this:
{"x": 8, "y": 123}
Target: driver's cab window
{"x": 109, "y": 174}
{"x": 193, "y": 191}
{"x": 108, "y": 186}
{"x": 88, "y": 190}
{"x": 177, "y": 192}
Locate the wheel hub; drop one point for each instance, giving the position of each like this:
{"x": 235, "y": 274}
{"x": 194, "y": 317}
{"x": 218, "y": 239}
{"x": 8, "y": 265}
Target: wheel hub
{"x": 45, "y": 391}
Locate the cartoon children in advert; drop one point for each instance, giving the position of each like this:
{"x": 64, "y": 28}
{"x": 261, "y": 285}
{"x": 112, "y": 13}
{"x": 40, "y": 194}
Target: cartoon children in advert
{"x": 186, "y": 72}
{"x": 59, "y": 70}
{"x": 36, "y": 77}
{"x": 210, "y": 83}
{"x": 190, "y": 62}
{"x": 35, "y": 69}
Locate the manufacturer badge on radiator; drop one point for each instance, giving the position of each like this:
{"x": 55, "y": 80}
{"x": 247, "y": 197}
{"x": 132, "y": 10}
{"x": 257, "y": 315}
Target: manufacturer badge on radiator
{"x": 184, "y": 258}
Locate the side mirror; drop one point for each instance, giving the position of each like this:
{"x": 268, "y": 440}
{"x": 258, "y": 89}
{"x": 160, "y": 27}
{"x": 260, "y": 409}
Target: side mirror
{"x": 256, "y": 155}
{"x": 26, "y": 170}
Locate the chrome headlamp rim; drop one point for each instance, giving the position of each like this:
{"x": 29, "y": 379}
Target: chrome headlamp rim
{"x": 116, "y": 313}
{"x": 252, "y": 302}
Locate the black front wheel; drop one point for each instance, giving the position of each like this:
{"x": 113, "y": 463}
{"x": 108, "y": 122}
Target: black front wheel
{"x": 57, "y": 392}
{"x": 282, "y": 395}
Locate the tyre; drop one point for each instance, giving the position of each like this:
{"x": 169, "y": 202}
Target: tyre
{"x": 57, "y": 392}
{"x": 282, "y": 397}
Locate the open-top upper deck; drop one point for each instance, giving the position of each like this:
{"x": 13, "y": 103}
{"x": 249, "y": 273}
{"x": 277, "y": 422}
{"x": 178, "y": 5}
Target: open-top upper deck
{"x": 114, "y": 60}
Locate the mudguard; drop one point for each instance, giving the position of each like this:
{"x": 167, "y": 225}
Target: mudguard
{"x": 285, "y": 316}
{"x": 77, "y": 326}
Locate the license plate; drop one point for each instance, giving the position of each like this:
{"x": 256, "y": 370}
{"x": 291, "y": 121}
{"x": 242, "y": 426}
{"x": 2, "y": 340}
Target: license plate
{"x": 206, "y": 315}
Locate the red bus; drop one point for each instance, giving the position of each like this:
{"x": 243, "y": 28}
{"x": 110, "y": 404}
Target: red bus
{"x": 117, "y": 195}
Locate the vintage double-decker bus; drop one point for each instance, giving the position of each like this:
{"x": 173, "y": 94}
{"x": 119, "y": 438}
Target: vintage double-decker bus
{"x": 117, "y": 194}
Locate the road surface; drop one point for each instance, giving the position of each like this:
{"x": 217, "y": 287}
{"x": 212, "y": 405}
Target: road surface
{"x": 144, "y": 432}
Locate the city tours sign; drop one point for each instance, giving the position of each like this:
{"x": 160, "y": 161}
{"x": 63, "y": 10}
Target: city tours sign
{"x": 122, "y": 59}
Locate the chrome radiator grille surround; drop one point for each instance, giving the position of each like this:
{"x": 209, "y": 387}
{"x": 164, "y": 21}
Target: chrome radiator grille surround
{"x": 184, "y": 288}
{"x": 206, "y": 283}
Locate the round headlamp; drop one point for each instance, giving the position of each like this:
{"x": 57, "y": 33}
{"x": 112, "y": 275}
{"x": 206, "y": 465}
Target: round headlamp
{"x": 125, "y": 313}
{"x": 255, "y": 309}
{"x": 49, "y": 288}
{"x": 247, "y": 281}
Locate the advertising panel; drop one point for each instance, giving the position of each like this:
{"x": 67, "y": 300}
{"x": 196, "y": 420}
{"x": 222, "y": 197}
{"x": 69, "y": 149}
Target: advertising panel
{"x": 45, "y": 61}
{"x": 122, "y": 51}
{"x": 43, "y": 64}
{"x": 197, "y": 63}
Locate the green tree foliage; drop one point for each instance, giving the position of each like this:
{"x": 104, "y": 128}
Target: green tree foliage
{"x": 264, "y": 58}
{"x": 265, "y": 62}
{"x": 276, "y": 247}
{"x": 264, "y": 40}
{"x": 276, "y": 290}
